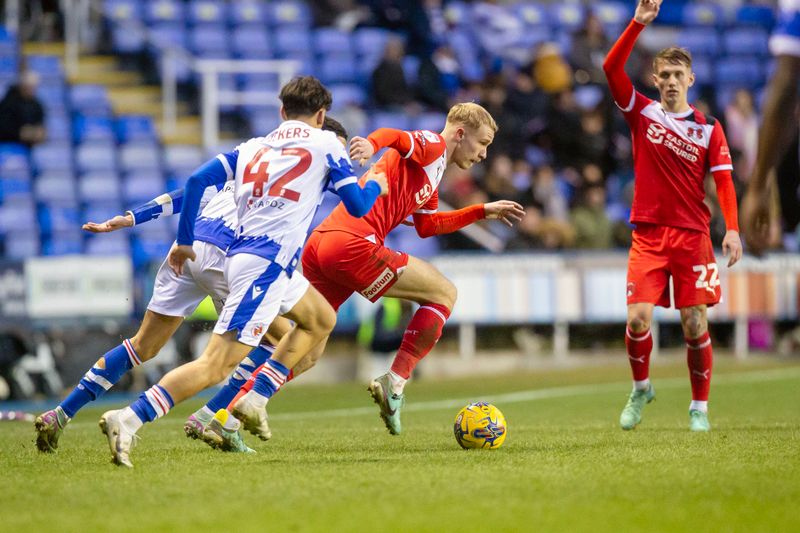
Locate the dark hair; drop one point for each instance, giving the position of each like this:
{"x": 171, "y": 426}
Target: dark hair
{"x": 304, "y": 96}
{"x": 331, "y": 124}
{"x": 674, "y": 55}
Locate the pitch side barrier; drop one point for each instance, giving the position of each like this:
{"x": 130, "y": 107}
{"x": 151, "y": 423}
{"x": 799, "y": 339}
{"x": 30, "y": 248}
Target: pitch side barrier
{"x": 579, "y": 288}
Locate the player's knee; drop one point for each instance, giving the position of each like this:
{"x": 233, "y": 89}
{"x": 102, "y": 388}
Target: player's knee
{"x": 448, "y": 294}
{"x": 694, "y": 325}
{"x": 325, "y": 321}
{"x": 638, "y": 323}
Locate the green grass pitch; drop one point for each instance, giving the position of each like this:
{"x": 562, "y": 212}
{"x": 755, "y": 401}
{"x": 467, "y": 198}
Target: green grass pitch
{"x": 331, "y": 466}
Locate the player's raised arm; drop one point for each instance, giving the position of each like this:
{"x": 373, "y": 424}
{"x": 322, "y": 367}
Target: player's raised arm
{"x": 214, "y": 172}
{"x": 420, "y": 146}
{"x": 614, "y": 66}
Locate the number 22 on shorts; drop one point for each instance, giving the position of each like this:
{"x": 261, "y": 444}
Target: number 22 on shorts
{"x": 708, "y": 276}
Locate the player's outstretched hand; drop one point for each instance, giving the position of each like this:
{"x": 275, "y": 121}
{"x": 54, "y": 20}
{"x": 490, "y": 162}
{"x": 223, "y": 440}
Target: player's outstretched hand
{"x": 756, "y": 217}
{"x": 361, "y": 150}
{"x": 379, "y": 178}
{"x": 732, "y": 246}
{"x": 505, "y": 210}
{"x": 178, "y": 256}
{"x": 646, "y": 11}
{"x": 112, "y": 224}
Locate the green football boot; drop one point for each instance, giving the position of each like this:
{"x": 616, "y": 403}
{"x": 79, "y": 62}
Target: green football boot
{"x": 698, "y": 420}
{"x": 381, "y": 391}
{"x": 49, "y": 426}
{"x": 227, "y": 440}
{"x": 632, "y": 413}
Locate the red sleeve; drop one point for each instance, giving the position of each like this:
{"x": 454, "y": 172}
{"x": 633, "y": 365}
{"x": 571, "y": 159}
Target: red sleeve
{"x": 438, "y": 223}
{"x": 614, "y": 66}
{"x": 726, "y": 194}
{"x": 421, "y": 146}
{"x": 719, "y": 155}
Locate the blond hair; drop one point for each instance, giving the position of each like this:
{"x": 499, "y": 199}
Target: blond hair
{"x": 471, "y": 115}
{"x": 674, "y": 55}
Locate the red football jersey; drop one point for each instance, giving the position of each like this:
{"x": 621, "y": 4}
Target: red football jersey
{"x": 413, "y": 169}
{"x": 672, "y": 154}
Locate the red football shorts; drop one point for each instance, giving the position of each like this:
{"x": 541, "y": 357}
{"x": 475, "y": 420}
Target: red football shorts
{"x": 659, "y": 252}
{"x": 338, "y": 264}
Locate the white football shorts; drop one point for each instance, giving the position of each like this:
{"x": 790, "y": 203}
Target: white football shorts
{"x": 260, "y": 290}
{"x": 175, "y": 295}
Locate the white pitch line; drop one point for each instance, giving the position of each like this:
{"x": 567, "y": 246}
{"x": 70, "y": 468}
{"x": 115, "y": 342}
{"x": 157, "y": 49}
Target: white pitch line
{"x": 777, "y": 374}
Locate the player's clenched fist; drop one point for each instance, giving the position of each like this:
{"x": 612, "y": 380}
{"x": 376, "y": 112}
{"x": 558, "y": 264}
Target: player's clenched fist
{"x": 505, "y": 210}
{"x": 361, "y": 150}
{"x": 112, "y": 224}
{"x": 178, "y": 256}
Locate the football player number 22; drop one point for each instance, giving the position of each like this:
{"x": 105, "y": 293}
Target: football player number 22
{"x": 257, "y": 172}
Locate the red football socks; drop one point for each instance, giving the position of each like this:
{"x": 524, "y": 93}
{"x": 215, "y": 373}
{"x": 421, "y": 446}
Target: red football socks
{"x": 421, "y": 335}
{"x": 699, "y": 357}
{"x": 639, "y": 346}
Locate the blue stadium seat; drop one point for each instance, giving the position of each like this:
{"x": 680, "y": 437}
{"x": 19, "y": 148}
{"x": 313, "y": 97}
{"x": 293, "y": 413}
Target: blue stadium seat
{"x": 248, "y": 12}
{"x": 15, "y": 189}
{"x": 703, "y": 68}
{"x": 532, "y": 14}
{"x": 169, "y": 34}
{"x": 288, "y": 13}
{"x": 66, "y": 242}
{"x": 207, "y": 12}
{"x": 54, "y": 218}
{"x": 98, "y": 186}
{"x": 101, "y": 212}
{"x": 208, "y": 39}
{"x": 747, "y": 72}
{"x": 47, "y": 66}
{"x": 56, "y": 187}
{"x": 145, "y": 250}
{"x": 705, "y": 42}
{"x": 90, "y": 99}
{"x": 135, "y": 128}
{"x": 410, "y": 68}
{"x": 746, "y": 41}
{"x": 22, "y": 246}
{"x": 108, "y": 244}
{"x": 458, "y": 14}
{"x": 179, "y": 156}
{"x": 9, "y": 66}
{"x": 330, "y": 41}
{"x": 139, "y": 156}
{"x": 53, "y": 155}
{"x": 164, "y": 11}
{"x": 612, "y": 14}
{"x": 126, "y": 40}
{"x": 264, "y": 121}
{"x": 17, "y": 217}
{"x": 347, "y": 94}
{"x": 59, "y": 126}
{"x": 14, "y": 161}
{"x": 93, "y": 128}
{"x": 757, "y": 15}
{"x": 386, "y": 119}
{"x": 292, "y": 41}
{"x": 251, "y": 42}
{"x": 142, "y": 186}
{"x": 160, "y": 230}
{"x": 370, "y": 42}
{"x": 259, "y": 82}
{"x": 96, "y": 156}
{"x": 430, "y": 121}
{"x": 123, "y": 10}
{"x": 702, "y": 14}
{"x": 565, "y": 16}
{"x": 339, "y": 68}
{"x": 52, "y": 96}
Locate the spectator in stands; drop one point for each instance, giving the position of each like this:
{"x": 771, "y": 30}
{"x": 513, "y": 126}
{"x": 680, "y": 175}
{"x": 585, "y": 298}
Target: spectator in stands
{"x": 550, "y": 70}
{"x": 741, "y": 121}
{"x": 497, "y": 28}
{"x": 589, "y": 48}
{"x": 527, "y": 102}
{"x": 22, "y": 113}
{"x": 438, "y": 78}
{"x": 390, "y": 88}
{"x": 499, "y": 180}
{"x": 546, "y": 192}
{"x": 593, "y": 229}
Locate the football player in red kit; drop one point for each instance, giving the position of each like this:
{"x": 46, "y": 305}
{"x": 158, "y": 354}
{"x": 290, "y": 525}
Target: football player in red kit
{"x": 674, "y": 147}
